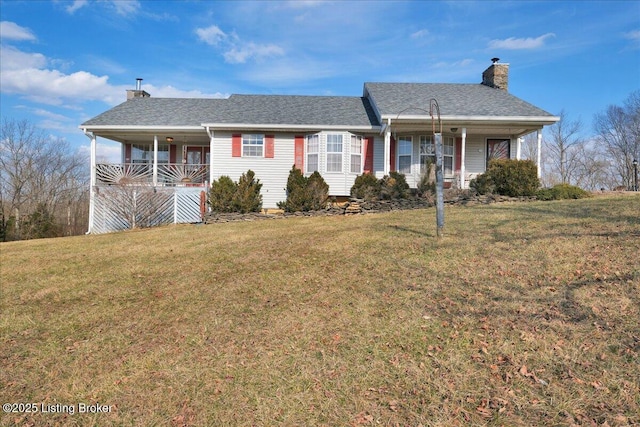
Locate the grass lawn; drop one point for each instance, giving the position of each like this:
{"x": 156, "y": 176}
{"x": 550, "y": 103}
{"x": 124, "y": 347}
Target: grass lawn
{"x": 523, "y": 314}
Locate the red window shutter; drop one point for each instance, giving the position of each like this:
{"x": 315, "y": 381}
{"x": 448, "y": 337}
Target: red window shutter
{"x": 368, "y": 155}
{"x": 173, "y": 151}
{"x": 299, "y": 152}
{"x": 458, "y": 154}
{"x": 236, "y": 145}
{"x": 127, "y": 153}
{"x": 392, "y": 155}
{"x": 268, "y": 146}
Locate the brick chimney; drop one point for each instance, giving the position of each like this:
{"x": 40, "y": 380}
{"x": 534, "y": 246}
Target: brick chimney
{"x": 138, "y": 92}
{"x": 497, "y": 75}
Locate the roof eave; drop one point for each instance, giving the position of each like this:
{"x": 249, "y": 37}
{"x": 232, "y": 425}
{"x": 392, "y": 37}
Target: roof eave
{"x": 497, "y": 120}
{"x": 285, "y": 127}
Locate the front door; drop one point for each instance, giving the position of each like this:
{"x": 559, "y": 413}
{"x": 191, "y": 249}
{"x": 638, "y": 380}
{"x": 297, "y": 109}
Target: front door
{"x": 197, "y": 155}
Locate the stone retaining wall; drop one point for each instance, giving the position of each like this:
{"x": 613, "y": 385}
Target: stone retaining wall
{"x": 359, "y": 207}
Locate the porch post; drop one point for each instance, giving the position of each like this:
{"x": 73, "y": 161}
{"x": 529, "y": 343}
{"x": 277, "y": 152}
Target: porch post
{"x": 518, "y": 148}
{"x": 387, "y": 148}
{"x": 463, "y": 180}
{"x": 211, "y": 136}
{"x": 539, "y": 135}
{"x": 155, "y": 160}
{"x": 92, "y": 181}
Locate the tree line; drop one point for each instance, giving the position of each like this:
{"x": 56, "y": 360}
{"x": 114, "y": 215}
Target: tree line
{"x": 603, "y": 161}
{"x": 44, "y": 183}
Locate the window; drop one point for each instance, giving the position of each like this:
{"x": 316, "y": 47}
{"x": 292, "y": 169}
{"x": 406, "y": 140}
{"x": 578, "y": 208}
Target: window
{"x": 447, "y": 156}
{"x": 313, "y": 148}
{"x": 334, "y": 152}
{"x": 405, "y": 148}
{"x": 428, "y": 154}
{"x": 356, "y": 154}
{"x": 144, "y": 153}
{"x": 252, "y": 145}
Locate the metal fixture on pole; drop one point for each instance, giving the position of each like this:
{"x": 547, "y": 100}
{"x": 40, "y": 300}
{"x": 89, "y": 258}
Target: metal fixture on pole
{"x": 437, "y": 136}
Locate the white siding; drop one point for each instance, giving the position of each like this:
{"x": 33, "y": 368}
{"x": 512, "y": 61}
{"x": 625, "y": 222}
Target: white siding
{"x": 272, "y": 173}
{"x": 475, "y": 155}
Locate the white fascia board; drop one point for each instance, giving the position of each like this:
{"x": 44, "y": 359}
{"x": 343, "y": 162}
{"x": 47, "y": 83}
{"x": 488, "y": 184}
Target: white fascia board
{"x": 139, "y": 128}
{"x": 477, "y": 119}
{"x": 314, "y": 127}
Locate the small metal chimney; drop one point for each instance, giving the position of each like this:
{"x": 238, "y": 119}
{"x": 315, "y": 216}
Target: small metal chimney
{"x": 138, "y": 83}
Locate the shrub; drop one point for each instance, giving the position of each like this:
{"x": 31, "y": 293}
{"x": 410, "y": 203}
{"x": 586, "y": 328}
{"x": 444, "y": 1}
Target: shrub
{"x": 394, "y": 186}
{"x": 367, "y": 187}
{"x": 221, "y": 194}
{"x": 243, "y": 196}
{"x": 426, "y": 186}
{"x": 305, "y": 194}
{"x": 40, "y": 224}
{"x": 317, "y": 192}
{"x": 247, "y": 197}
{"x": 482, "y": 184}
{"x": 562, "y": 191}
{"x": 508, "y": 177}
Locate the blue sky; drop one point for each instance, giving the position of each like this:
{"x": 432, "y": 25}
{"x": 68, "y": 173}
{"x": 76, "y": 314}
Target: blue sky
{"x": 63, "y": 62}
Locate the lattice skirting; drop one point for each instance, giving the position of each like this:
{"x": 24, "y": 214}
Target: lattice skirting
{"x": 123, "y": 207}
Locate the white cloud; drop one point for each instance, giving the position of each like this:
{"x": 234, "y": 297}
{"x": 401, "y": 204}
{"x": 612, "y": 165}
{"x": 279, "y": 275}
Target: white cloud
{"x": 240, "y": 54}
{"x": 126, "y": 7}
{"x": 172, "y": 92}
{"x": 420, "y": 34}
{"x": 14, "y": 59}
{"x": 632, "y": 35}
{"x": 513, "y": 43}
{"x": 77, "y": 4}
{"x": 52, "y": 86}
{"x": 211, "y": 35}
{"x": 12, "y": 31}
{"x": 234, "y": 50}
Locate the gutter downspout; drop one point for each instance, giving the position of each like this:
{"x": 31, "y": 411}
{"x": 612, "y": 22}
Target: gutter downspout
{"x": 92, "y": 179}
{"x": 387, "y": 148}
{"x": 463, "y": 158}
{"x": 211, "y": 134}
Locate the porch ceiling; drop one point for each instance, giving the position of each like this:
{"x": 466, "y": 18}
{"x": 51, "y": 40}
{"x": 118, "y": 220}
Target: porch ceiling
{"x": 146, "y": 137}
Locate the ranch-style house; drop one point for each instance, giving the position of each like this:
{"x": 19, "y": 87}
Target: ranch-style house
{"x": 173, "y": 148}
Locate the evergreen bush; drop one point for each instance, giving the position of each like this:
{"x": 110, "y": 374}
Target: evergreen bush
{"x": 507, "y": 177}
{"x": 247, "y": 197}
{"x": 221, "y": 194}
{"x": 561, "y": 192}
{"x": 366, "y": 187}
{"x": 394, "y": 186}
{"x": 305, "y": 194}
{"x": 242, "y": 196}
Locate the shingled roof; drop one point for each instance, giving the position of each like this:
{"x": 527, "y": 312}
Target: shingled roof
{"x": 454, "y": 100}
{"x": 238, "y": 109}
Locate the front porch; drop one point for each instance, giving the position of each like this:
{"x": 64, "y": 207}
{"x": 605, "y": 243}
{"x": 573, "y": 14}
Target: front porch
{"x": 154, "y": 174}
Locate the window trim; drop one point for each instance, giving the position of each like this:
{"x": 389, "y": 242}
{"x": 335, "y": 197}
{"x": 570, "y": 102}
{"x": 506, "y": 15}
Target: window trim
{"x": 246, "y": 143}
{"x": 401, "y": 139}
{"x": 431, "y": 143}
{"x": 316, "y": 153}
{"x": 358, "y": 139}
{"x": 334, "y": 153}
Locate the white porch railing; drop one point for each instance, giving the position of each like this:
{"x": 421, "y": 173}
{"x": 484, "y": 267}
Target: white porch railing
{"x": 168, "y": 174}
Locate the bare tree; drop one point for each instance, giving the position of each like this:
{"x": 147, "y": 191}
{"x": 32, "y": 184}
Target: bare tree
{"x": 618, "y": 130}
{"x": 37, "y": 174}
{"x": 563, "y": 146}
